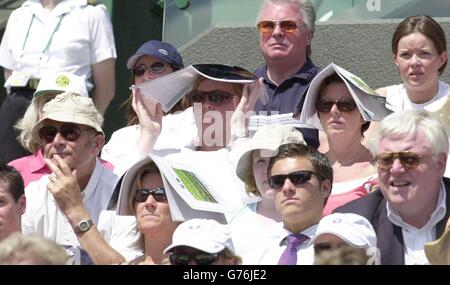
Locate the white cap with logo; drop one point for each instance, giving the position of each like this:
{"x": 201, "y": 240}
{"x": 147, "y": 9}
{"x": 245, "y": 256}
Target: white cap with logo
{"x": 203, "y": 234}
{"x": 60, "y": 82}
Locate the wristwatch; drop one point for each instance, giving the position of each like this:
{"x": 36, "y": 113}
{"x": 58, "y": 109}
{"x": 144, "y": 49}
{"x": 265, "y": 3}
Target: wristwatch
{"x": 83, "y": 226}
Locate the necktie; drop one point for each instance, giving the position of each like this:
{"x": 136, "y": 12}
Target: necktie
{"x": 289, "y": 256}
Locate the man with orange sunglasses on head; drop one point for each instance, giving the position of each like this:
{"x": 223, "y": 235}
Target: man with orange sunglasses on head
{"x": 412, "y": 206}
{"x": 286, "y": 29}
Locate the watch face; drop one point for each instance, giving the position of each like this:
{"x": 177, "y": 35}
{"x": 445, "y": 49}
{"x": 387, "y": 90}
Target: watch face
{"x": 83, "y": 226}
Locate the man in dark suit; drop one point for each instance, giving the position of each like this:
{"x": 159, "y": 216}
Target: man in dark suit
{"x": 412, "y": 205}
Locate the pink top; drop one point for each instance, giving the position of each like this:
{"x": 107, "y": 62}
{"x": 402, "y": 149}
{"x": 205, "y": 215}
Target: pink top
{"x": 33, "y": 167}
{"x": 339, "y": 199}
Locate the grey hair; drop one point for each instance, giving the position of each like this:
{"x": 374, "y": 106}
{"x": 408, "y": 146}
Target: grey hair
{"x": 305, "y": 7}
{"x": 403, "y": 123}
{"x": 31, "y": 249}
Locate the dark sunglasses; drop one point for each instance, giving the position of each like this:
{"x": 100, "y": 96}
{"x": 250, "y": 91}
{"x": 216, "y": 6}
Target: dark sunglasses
{"x": 324, "y": 246}
{"x": 408, "y": 159}
{"x": 216, "y": 97}
{"x": 287, "y": 26}
{"x": 342, "y": 105}
{"x": 159, "y": 194}
{"x": 69, "y": 132}
{"x": 199, "y": 258}
{"x": 156, "y": 67}
{"x": 297, "y": 178}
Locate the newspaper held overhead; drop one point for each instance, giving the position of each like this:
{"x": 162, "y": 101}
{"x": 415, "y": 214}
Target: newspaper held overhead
{"x": 188, "y": 194}
{"x": 169, "y": 89}
{"x": 371, "y": 105}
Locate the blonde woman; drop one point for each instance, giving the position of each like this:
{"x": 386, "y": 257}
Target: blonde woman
{"x": 143, "y": 196}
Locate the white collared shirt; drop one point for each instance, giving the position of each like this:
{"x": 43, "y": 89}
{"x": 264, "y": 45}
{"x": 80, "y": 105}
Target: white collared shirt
{"x": 44, "y": 217}
{"x": 414, "y": 238}
{"x": 84, "y": 37}
{"x": 272, "y": 254}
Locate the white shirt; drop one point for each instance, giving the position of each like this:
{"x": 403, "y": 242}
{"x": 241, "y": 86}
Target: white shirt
{"x": 251, "y": 231}
{"x": 84, "y": 37}
{"x": 397, "y": 99}
{"x": 414, "y": 238}
{"x": 178, "y": 130}
{"x": 44, "y": 217}
{"x": 271, "y": 255}
{"x": 121, "y": 233}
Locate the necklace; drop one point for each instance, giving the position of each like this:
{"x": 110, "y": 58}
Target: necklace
{"x": 350, "y": 161}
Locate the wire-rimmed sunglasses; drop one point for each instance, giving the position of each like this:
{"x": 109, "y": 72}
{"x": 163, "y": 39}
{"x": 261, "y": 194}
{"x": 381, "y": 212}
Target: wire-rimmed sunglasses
{"x": 343, "y": 105}
{"x": 216, "y": 97}
{"x": 69, "y": 132}
{"x": 159, "y": 194}
{"x": 268, "y": 26}
{"x": 297, "y": 178}
{"x": 408, "y": 159}
{"x": 156, "y": 68}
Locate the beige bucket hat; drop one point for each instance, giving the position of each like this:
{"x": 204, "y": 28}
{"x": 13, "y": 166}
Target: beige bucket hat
{"x": 70, "y": 108}
{"x": 268, "y": 138}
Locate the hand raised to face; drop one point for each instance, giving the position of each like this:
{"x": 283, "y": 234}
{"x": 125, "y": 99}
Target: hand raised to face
{"x": 63, "y": 185}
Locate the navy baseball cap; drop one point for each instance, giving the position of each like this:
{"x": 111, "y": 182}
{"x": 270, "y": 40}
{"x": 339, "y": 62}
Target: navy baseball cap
{"x": 161, "y": 50}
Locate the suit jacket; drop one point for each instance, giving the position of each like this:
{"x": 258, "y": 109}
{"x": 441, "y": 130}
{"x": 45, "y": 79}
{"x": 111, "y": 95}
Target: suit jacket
{"x": 389, "y": 236}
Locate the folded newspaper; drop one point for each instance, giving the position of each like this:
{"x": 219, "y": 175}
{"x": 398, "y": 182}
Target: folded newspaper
{"x": 169, "y": 89}
{"x": 188, "y": 194}
{"x": 370, "y": 104}
{"x": 257, "y": 121}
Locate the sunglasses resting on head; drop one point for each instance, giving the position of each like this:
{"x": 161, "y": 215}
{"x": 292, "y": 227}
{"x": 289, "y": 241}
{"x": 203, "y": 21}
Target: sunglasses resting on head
{"x": 70, "y": 132}
{"x": 297, "y": 178}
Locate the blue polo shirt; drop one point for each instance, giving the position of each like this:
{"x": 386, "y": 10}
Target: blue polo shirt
{"x": 288, "y": 97}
